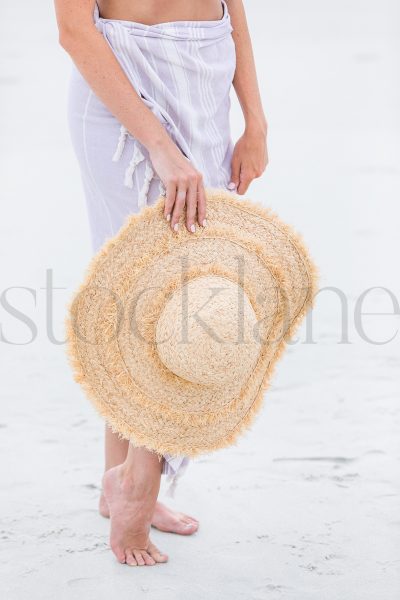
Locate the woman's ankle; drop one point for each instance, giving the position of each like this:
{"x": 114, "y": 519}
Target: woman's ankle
{"x": 140, "y": 472}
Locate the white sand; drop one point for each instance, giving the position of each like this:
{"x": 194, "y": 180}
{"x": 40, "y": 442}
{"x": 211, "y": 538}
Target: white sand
{"x": 307, "y": 505}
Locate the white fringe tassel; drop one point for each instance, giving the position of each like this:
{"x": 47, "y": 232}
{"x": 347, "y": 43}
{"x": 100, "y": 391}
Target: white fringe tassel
{"x": 148, "y": 176}
{"x": 174, "y": 477}
{"x": 173, "y": 482}
{"x": 121, "y": 143}
{"x": 137, "y": 157}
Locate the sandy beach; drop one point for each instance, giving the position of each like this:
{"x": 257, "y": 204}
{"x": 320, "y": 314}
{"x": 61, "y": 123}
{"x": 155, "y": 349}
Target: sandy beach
{"x": 306, "y": 506}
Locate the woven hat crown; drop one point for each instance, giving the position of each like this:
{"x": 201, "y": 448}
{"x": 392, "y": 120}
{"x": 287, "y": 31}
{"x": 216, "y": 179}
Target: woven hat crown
{"x": 203, "y": 330}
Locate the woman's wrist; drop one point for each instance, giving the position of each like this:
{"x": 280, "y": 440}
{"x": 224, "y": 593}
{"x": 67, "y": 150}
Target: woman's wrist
{"x": 256, "y": 126}
{"x": 157, "y": 140}
{"x": 160, "y": 142}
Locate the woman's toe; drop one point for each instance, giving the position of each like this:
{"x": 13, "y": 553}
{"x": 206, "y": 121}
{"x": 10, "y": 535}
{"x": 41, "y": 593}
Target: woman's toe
{"x": 130, "y": 559}
{"x": 189, "y": 518}
{"x": 186, "y": 527}
{"x": 119, "y": 553}
{"x": 139, "y": 558}
{"x": 158, "y": 556}
{"x": 148, "y": 559}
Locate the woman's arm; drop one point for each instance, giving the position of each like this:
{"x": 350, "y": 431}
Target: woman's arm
{"x": 99, "y": 66}
{"x": 250, "y": 156}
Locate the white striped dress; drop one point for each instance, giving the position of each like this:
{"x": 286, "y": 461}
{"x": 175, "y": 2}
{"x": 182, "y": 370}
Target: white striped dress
{"x": 183, "y": 71}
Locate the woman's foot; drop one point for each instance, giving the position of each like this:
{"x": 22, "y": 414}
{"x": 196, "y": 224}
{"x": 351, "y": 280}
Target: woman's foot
{"x": 171, "y": 521}
{"x": 131, "y": 503}
{"x": 164, "y": 518}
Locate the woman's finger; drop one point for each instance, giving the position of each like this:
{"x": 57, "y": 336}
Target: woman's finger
{"x": 169, "y": 198}
{"x": 191, "y": 204}
{"x": 235, "y": 173}
{"x": 245, "y": 180}
{"x": 201, "y": 204}
{"x": 179, "y": 204}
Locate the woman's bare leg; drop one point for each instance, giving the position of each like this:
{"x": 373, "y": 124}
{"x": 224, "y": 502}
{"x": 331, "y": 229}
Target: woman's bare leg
{"x": 164, "y": 518}
{"x": 131, "y": 491}
{"x": 115, "y": 451}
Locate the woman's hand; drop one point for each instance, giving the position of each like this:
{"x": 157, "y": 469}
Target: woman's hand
{"x": 184, "y": 186}
{"x": 249, "y": 159}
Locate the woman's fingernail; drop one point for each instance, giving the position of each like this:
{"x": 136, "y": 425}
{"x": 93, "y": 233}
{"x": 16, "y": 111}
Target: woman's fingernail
{"x": 168, "y": 217}
{"x": 231, "y": 186}
{"x": 204, "y": 223}
{"x": 176, "y": 226}
{"x": 193, "y": 228}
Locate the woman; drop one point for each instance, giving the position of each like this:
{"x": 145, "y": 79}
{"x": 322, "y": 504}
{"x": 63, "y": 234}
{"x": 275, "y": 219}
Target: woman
{"x": 148, "y": 111}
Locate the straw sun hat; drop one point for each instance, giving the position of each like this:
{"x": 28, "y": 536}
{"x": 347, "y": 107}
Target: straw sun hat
{"x": 174, "y": 336}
